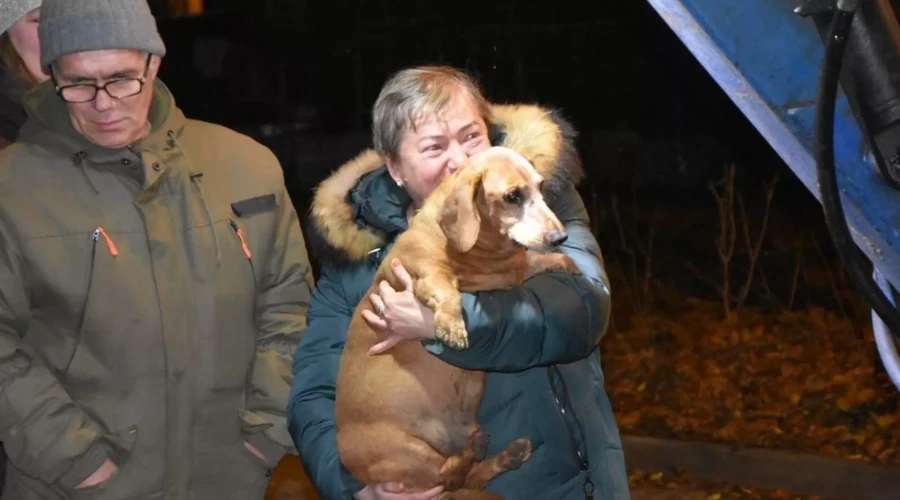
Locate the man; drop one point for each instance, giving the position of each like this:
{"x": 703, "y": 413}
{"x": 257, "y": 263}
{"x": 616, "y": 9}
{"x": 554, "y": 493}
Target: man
{"x": 153, "y": 281}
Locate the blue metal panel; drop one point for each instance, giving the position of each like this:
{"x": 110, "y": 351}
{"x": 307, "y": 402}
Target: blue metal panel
{"x": 767, "y": 59}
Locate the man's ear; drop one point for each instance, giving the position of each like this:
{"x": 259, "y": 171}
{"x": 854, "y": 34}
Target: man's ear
{"x": 153, "y": 70}
{"x": 460, "y": 219}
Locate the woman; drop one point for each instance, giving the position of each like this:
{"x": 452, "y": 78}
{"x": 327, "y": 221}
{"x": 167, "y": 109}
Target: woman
{"x": 537, "y": 342}
{"x": 20, "y": 69}
{"x": 20, "y": 66}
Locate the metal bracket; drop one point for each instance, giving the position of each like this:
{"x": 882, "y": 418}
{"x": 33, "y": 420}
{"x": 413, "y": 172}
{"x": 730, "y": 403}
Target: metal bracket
{"x": 811, "y": 7}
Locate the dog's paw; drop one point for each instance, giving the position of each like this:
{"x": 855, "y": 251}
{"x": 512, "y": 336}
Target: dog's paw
{"x": 451, "y": 330}
{"x": 517, "y": 453}
{"x": 565, "y": 264}
{"x": 479, "y": 442}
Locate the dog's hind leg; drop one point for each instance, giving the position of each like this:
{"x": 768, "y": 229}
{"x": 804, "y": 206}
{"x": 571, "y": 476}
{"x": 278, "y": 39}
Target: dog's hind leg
{"x": 456, "y": 469}
{"x": 517, "y": 453}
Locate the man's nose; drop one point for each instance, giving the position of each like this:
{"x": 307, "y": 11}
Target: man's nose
{"x": 102, "y": 101}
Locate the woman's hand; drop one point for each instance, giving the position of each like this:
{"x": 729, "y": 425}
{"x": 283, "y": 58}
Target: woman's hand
{"x": 394, "y": 491}
{"x": 398, "y": 314}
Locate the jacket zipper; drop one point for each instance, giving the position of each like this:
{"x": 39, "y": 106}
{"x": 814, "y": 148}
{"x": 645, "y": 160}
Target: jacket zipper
{"x": 95, "y": 238}
{"x": 580, "y": 455}
{"x": 244, "y": 247}
{"x": 109, "y": 242}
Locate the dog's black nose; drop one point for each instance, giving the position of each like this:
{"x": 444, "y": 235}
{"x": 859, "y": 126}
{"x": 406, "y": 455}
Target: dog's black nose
{"x": 557, "y": 238}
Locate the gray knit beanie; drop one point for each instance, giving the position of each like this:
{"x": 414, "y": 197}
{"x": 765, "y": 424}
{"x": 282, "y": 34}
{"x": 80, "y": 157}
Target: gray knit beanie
{"x": 69, "y": 26}
{"x": 13, "y": 10}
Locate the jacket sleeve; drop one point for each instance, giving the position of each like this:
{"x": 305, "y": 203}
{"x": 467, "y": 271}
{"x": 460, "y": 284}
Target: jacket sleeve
{"x": 282, "y": 304}
{"x": 311, "y": 410}
{"x": 552, "y": 318}
{"x": 44, "y": 433}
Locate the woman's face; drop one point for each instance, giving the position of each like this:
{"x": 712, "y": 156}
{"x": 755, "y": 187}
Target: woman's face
{"x": 24, "y": 37}
{"x": 438, "y": 145}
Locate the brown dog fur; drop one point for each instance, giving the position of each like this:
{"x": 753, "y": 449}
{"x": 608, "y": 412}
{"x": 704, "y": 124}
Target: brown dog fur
{"x": 406, "y": 416}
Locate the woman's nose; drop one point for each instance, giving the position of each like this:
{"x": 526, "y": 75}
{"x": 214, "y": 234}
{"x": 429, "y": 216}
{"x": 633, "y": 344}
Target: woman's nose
{"x": 458, "y": 156}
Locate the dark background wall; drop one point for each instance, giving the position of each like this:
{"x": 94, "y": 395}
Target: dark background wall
{"x": 301, "y": 77}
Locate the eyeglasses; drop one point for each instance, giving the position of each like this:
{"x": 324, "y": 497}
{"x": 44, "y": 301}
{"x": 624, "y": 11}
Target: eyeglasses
{"x": 118, "y": 88}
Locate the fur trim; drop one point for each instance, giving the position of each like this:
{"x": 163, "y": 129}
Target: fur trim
{"x": 331, "y": 217}
{"x": 541, "y": 135}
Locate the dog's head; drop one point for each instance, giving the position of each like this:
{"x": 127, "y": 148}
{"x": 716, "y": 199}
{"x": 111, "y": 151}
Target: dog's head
{"x": 497, "y": 193}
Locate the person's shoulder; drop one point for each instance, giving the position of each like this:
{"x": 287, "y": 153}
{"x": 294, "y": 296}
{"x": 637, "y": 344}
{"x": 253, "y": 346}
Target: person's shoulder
{"x": 228, "y": 140}
{"x": 12, "y": 158}
{"x": 228, "y": 147}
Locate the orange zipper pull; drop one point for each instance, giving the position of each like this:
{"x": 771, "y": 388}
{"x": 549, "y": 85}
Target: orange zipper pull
{"x": 240, "y": 235}
{"x": 109, "y": 242}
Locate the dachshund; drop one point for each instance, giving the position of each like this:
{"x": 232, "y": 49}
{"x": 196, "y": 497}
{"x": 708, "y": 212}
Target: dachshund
{"x": 406, "y": 416}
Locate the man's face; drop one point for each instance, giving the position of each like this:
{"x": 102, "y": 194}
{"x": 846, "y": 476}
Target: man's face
{"x": 108, "y": 121}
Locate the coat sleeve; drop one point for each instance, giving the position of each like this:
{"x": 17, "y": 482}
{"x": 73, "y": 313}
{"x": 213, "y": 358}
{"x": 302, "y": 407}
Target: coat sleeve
{"x": 44, "y": 433}
{"x": 311, "y": 411}
{"x": 282, "y": 304}
{"x": 550, "y": 319}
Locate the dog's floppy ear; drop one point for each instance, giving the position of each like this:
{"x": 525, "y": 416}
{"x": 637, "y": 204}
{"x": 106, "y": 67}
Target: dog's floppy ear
{"x": 460, "y": 219}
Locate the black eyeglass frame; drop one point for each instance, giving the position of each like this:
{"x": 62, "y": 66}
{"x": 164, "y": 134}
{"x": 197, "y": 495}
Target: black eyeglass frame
{"x": 97, "y": 88}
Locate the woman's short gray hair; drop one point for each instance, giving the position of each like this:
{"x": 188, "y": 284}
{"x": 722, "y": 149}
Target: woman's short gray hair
{"x": 413, "y": 93}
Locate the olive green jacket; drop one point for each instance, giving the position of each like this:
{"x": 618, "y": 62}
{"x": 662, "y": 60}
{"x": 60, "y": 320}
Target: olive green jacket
{"x": 151, "y": 300}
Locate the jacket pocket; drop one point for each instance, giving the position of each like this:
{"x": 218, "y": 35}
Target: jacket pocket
{"x": 98, "y": 312}
{"x": 117, "y": 486}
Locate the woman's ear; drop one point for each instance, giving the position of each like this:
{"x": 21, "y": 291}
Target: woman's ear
{"x": 394, "y": 171}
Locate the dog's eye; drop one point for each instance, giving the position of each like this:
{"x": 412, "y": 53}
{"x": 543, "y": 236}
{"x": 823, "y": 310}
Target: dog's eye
{"x": 514, "y": 196}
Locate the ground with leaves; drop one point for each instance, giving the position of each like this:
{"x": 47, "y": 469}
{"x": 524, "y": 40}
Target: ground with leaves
{"x": 772, "y": 348}
{"x": 802, "y": 381}
{"x": 678, "y": 486}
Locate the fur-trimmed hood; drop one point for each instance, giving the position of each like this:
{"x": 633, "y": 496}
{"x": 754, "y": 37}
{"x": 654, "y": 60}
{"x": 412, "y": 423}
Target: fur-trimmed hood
{"x": 359, "y": 208}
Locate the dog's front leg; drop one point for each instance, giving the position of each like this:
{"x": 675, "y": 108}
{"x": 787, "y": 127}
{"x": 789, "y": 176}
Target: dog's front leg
{"x": 539, "y": 263}
{"x": 441, "y": 294}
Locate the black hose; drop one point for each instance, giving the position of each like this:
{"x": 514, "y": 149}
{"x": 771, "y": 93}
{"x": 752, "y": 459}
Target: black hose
{"x": 824, "y": 153}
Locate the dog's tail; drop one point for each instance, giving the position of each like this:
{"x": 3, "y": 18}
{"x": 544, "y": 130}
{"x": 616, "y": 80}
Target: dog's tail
{"x": 470, "y": 495}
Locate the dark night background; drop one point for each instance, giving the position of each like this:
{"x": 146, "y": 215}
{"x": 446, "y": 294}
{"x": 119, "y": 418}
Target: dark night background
{"x": 311, "y": 71}
{"x": 656, "y": 134}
